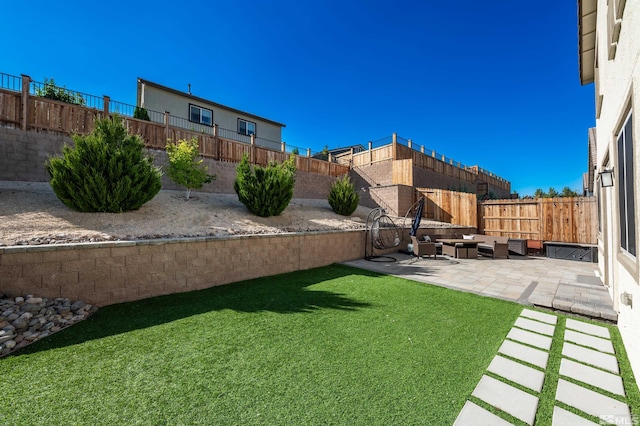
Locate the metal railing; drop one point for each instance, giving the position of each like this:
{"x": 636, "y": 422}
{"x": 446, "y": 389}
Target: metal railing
{"x": 79, "y": 98}
{"x": 10, "y": 82}
{"x": 233, "y": 135}
{"x": 266, "y": 143}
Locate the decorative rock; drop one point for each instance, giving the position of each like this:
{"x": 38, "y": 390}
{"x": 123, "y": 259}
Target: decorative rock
{"x": 77, "y": 306}
{"x": 26, "y": 319}
{"x": 20, "y": 323}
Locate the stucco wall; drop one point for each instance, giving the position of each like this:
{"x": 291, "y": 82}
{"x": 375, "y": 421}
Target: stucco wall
{"x": 115, "y": 272}
{"x": 619, "y": 83}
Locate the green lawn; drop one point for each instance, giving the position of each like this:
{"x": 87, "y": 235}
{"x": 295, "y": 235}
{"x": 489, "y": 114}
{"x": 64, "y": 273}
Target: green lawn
{"x": 333, "y": 345}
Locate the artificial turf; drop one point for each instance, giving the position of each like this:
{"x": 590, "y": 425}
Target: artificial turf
{"x": 332, "y": 345}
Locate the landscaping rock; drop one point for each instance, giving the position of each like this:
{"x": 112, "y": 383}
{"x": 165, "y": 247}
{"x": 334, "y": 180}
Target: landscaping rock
{"x": 24, "y": 320}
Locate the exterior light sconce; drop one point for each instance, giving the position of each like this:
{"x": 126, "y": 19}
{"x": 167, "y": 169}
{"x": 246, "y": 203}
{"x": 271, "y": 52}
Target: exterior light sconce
{"x": 626, "y": 299}
{"x": 606, "y": 178}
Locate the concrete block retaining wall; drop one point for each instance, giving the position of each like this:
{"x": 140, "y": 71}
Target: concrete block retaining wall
{"x": 115, "y": 272}
{"x": 23, "y": 155}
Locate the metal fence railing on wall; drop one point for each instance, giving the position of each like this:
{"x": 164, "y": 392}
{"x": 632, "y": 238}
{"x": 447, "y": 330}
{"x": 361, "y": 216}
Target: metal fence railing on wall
{"x": 30, "y": 111}
{"x": 10, "y": 82}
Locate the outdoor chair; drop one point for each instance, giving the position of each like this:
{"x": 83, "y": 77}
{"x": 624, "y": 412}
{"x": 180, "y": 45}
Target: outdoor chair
{"x": 423, "y": 248}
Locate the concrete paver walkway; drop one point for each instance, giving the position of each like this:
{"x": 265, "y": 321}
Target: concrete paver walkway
{"x": 511, "y": 389}
{"x": 565, "y": 285}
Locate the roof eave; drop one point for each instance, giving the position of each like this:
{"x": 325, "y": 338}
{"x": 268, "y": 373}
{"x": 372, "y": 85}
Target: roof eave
{"x": 207, "y": 101}
{"x": 587, "y": 39}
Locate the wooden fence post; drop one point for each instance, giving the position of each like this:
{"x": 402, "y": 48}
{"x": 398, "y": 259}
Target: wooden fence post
{"x": 394, "y": 146}
{"x": 370, "y": 153}
{"x": 410, "y": 143}
{"x": 105, "y": 106}
{"x": 216, "y": 141}
{"x": 26, "y": 82}
{"x": 252, "y": 155}
{"x": 166, "y": 126}
{"x": 308, "y": 152}
{"x": 283, "y": 146}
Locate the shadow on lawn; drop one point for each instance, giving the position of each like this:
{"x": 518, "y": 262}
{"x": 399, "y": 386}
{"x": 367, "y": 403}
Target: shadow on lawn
{"x": 284, "y": 294}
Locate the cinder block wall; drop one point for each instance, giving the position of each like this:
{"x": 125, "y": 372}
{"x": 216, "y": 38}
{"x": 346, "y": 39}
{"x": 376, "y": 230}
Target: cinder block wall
{"x": 395, "y": 199}
{"x": 115, "y": 272}
{"x": 23, "y": 155}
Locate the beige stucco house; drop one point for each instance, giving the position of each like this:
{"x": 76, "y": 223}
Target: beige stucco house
{"x": 199, "y": 114}
{"x": 609, "y": 51}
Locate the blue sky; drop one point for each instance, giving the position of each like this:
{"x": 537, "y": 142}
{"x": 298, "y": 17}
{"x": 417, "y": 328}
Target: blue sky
{"x": 488, "y": 83}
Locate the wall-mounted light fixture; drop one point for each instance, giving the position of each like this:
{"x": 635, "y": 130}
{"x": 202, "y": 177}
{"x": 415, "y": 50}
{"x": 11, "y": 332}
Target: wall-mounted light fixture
{"x": 626, "y": 299}
{"x": 606, "y": 178}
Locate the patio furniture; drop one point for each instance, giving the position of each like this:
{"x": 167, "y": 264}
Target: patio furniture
{"x": 423, "y": 248}
{"x": 459, "y": 248}
{"x": 535, "y": 247}
{"x": 493, "y": 245}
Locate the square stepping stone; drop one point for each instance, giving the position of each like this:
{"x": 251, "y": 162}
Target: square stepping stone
{"x": 517, "y": 373}
{"x": 473, "y": 414}
{"x": 592, "y": 376}
{"x": 530, "y": 338}
{"x": 590, "y": 402}
{"x": 590, "y": 356}
{"x": 540, "y": 316}
{"x": 519, "y": 404}
{"x": 525, "y": 353}
{"x": 603, "y": 345}
{"x": 562, "y": 417}
{"x": 536, "y": 326}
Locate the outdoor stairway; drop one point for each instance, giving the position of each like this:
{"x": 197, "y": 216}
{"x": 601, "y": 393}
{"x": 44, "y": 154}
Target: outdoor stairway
{"x": 517, "y": 376}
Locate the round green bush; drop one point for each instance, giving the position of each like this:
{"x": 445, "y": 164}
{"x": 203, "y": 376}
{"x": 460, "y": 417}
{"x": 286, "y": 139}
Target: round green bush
{"x": 265, "y": 191}
{"x": 343, "y": 197}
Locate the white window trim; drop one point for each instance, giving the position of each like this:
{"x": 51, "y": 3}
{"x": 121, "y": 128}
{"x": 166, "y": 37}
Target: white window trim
{"x": 628, "y": 179}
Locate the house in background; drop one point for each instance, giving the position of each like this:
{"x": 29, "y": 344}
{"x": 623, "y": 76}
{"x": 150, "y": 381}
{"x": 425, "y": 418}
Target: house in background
{"x": 609, "y": 52}
{"x": 195, "y": 113}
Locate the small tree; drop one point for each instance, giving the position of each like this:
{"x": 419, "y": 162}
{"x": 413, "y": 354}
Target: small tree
{"x": 568, "y": 192}
{"x": 185, "y": 168}
{"x": 141, "y": 113}
{"x": 343, "y": 197}
{"x": 265, "y": 191}
{"x": 50, "y": 91}
{"x": 295, "y": 151}
{"x": 106, "y": 171}
{"x": 552, "y": 193}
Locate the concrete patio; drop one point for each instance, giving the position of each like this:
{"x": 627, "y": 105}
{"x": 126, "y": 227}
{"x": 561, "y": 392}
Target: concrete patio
{"x": 563, "y": 285}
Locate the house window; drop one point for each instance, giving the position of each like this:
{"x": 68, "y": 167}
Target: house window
{"x": 200, "y": 115}
{"x": 626, "y": 190}
{"x": 246, "y": 127}
{"x": 615, "y": 10}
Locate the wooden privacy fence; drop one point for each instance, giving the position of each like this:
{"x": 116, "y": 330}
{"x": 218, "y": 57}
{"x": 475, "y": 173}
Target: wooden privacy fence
{"x": 566, "y": 219}
{"x": 426, "y": 160}
{"x": 38, "y": 113}
{"x": 457, "y": 208}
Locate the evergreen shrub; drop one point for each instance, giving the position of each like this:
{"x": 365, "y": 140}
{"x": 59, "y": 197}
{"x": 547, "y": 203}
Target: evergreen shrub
{"x": 265, "y": 191}
{"x": 106, "y": 171}
{"x": 343, "y": 197}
